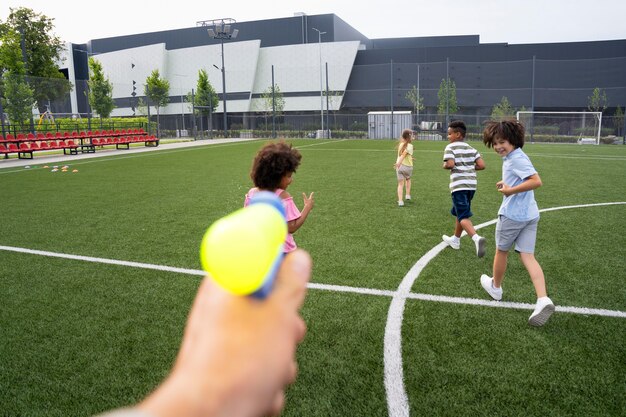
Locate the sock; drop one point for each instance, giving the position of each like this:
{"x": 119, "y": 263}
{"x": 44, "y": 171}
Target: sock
{"x": 475, "y": 237}
{"x": 455, "y": 238}
{"x": 546, "y": 298}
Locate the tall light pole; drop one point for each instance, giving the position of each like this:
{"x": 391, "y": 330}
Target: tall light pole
{"x": 320, "y": 33}
{"x": 182, "y": 100}
{"x": 220, "y": 29}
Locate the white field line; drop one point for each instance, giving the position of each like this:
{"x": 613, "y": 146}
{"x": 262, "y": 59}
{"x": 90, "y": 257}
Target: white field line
{"x": 320, "y": 143}
{"x": 617, "y": 158}
{"x": 397, "y": 400}
{"x": 323, "y": 287}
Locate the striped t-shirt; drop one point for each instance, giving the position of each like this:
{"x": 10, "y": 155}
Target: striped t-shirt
{"x": 463, "y": 175}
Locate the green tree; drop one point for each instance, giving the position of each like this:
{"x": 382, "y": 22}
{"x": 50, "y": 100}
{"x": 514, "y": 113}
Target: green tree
{"x": 18, "y": 98}
{"x": 503, "y": 110}
{"x": 415, "y": 98}
{"x": 598, "y": 100}
{"x": 42, "y": 50}
{"x": 158, "y": 91}
{"x": 205, "y": 96}
{"x": 447, "y": 97}
{"x": 270, "y": 104}
{"x": 100, "y": 90}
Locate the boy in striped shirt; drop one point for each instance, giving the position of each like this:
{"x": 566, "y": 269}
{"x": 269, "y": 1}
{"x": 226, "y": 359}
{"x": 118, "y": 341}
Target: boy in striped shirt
{"x": 463, "y": 161}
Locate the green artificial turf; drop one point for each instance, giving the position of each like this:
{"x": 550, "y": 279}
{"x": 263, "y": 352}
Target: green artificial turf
{"x": 77, "y": 338}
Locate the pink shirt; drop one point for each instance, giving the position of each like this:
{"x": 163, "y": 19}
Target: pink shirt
{"x": 292, "y": 214}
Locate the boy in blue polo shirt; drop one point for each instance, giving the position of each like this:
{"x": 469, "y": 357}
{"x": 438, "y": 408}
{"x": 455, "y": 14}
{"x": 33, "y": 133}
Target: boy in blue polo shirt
{"x": 518, "y": 215}
{"x": 463, "y": 161}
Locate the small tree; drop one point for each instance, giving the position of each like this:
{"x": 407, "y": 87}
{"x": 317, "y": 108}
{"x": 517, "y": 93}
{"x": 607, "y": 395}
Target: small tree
{"x": 503, "y": 110}
{"x": 333, "y": 98}
{"x": 447, "y": 97}
{"x": 158, "y": 91}
{"x": 19, "y": 98}
{"x": 598, "y": 100}
{"x": 415, "y": 98}
{"x": 100, "y": 90}
{"x": 272, "y": 103}
{"x": 205, "y": 96}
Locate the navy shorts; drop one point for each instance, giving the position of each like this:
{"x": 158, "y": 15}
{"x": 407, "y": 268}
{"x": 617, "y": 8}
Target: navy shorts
{"x": 462, "y": 204}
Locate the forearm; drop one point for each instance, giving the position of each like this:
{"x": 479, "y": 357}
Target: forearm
{"x": 294, "y": 225}
{"x": 531, "y": 183}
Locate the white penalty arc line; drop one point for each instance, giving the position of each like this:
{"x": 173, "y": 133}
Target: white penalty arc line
{"x": 397, "y": 400}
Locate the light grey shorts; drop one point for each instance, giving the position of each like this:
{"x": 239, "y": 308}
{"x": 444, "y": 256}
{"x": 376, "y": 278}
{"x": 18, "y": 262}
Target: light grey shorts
{"x": 522, "y": 234}
{"x": 404, "y": 172}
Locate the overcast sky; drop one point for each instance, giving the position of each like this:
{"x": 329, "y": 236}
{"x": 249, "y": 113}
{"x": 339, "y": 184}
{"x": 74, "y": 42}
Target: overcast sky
{"x": 511, "y": 21}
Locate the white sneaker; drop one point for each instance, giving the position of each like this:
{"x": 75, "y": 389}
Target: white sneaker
{"x": 480, "y": 246}
{"x": 400, "y": 203}
{"x": 542, "y": 313}
{"x": 408, "y": 197}
{"x": 452, "y": 241}
{"x": 487, "y": 283}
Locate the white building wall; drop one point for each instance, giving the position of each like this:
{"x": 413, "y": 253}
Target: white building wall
{"x": 248, "y": 70}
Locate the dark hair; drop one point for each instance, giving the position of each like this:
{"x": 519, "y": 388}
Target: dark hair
{"x": 510, "y": 130}
{"x": 458, "y": 126}
{"x": 272, "y": 163}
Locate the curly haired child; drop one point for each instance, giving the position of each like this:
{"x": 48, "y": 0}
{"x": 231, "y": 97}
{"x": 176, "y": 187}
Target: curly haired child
{"x": 272, "y": 170}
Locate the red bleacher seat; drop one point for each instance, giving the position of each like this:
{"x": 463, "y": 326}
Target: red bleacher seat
{"x": 41, "y": 136}
{"x": 4, "y": 151}
{"x": 30, "y": 136}
{"x": 59, "y": 135}
{"x": 2, "y": 140}
{"x": 20, "y": 136}
{"x": 44, "y": 146}
{"x": 10, "y": 137}
{"x": 49, "y": 135}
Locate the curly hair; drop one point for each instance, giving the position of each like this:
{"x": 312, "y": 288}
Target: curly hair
{"x": 510, "y": 130}
{"x": 273, "y": 161}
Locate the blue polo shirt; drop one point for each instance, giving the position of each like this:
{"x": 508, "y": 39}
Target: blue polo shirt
{"x": 521, "y": 207}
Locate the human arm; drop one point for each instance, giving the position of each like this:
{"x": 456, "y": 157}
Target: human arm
{"x": 530, "y": 183}
{"x": 448, "y": 164}
{"x": 238, "y": 353}
{"x": 400, "y": 159}
{"x": 309, "y": 202}
{"x": 479, "y": 165}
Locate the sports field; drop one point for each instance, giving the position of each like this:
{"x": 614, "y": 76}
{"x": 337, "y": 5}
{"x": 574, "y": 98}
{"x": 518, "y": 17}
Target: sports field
{"x": 397, "y": 324}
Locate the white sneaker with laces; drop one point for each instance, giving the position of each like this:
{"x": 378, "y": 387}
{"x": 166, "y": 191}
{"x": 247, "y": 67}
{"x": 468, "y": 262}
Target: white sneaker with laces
{"x": 480, "y": 243}
{"x": 408, "y": 197}
{"x": 487, "y": 283}
{"x": 400, "y": 203}
{"x": 543, "y": 310}
{"x": 452, "y": 241}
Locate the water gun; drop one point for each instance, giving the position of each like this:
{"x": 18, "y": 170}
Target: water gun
{"x": 243, "y": 250}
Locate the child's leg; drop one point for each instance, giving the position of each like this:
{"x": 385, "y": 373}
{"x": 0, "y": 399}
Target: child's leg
{"x": 408, "y": 186}
{"x": 458, "y": 229}
{"x": 466, "y": 224}
{"x": 400, "y": 189}
{"x": 499, "y": 267}
{"x": 535, "y": 272}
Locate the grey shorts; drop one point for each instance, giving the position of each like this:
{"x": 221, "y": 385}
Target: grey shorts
{"x": 522, "y": 234}
{"x": 404, "y": 172}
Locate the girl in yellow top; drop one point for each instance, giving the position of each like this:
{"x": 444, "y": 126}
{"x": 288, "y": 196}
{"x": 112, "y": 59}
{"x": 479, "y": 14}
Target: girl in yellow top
{"x": 404, "y": 164}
